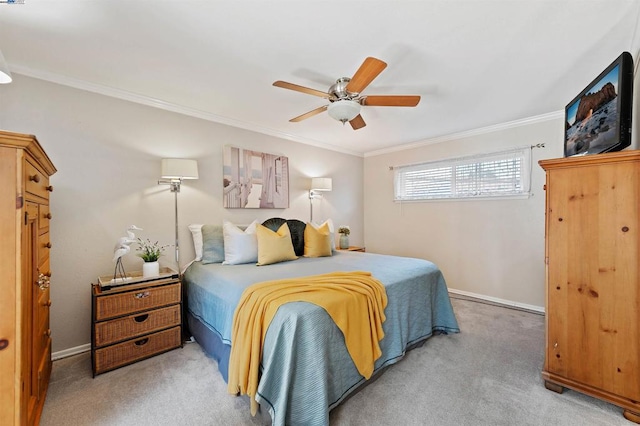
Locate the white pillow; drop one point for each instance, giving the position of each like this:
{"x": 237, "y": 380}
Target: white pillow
{"x": 332, "y": 233}
{"x": 239, "y": 246}
{"x": 196, "y": 234}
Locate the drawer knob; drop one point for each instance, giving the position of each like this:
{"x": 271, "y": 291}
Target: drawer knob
{"x": 34, "y": 178}
{"x": 141, "y": 295}
{"x": 48, "y": 216}
{"x": 48, "y": 245}
{"x": 48, "y": 332}
{"x": 142, "y": 342}
{"x": 50, "y": 188}
{"x": 4, "y": 343}
{"x": 141, "y": 318}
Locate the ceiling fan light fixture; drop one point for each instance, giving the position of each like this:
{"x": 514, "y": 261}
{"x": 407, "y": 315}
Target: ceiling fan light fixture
{"x": 344, "y": 110}
{"x": 5, "y": 74}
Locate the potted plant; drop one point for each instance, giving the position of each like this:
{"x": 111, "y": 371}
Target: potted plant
{"x": 150, "y": 253}
{"x": 344, "y": 232}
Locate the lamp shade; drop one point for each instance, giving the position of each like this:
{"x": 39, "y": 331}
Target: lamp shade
{"x": 344, "y": 110}
{"x": 321, "y": 184}
{"x": 179, "y": 168}
{"x": 5, "y": 75}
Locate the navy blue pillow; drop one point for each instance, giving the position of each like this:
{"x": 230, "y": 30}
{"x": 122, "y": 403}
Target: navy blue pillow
{"x": 296, "y": 228}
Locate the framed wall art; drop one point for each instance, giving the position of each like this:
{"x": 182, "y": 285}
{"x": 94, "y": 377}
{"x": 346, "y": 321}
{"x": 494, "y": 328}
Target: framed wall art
{"x": 254, "y": 180}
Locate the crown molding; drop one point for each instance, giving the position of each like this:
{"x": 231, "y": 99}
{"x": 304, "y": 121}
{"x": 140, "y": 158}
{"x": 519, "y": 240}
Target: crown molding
{"x": 204, "y": 115}
{"x": 470, "y": 133}
{"x": 169, "y": 106}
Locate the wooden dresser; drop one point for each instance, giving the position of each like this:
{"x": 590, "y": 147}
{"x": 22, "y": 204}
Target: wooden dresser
{"x": 25, "y": 336}
{"x": 134, "y": 322}
{"x": 592, "y": 277}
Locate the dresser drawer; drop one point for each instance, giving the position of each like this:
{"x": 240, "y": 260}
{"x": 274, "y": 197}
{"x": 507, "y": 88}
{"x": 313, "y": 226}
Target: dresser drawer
{"x": 45, "y": 216}
{"x": 136, "y": 300}
{"x": 41, "y": 330}
{"x": 120, "y": 354}
{"x": 44, "y": 268}
{"x": 36, "y": 182}
{"x": 125, "y": 328}
{"x": 44, "y": 244}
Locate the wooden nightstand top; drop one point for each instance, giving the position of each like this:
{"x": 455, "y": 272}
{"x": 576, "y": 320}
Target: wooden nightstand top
{"x": 136, "y": 281}
{"x": 352, "y": 248}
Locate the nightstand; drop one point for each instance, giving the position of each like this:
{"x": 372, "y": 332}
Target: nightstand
{"x": 135, "y": 321}
{"x": 353, "y": 248}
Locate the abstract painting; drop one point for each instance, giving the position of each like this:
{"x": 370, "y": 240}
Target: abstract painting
{"x": 254, "y": 180}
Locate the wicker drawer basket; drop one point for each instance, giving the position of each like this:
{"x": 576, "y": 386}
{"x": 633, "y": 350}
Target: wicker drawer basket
{"x": 115, "y": 356}
{"x": 124, "y": 328}
{"x": 129, "y": 302}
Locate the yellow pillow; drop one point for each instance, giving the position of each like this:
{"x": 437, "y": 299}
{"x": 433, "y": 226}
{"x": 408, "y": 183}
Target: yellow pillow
{"x": 317, "y": 241}
{"x": 274, "y": 247}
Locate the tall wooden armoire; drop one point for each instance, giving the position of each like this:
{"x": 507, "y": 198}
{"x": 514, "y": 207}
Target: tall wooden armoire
{"x": 592, "y": 277}
{"x": 25, "y": 336}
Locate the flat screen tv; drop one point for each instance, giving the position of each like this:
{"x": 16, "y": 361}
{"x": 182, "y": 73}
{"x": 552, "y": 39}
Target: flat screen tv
{"x": 599, "y": 118}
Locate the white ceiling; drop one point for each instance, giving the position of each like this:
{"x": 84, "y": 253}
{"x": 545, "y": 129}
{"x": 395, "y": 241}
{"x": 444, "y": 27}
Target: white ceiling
{"x": 476, "y": 63}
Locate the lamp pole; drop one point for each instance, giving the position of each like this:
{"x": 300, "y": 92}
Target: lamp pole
{"x": 175, "y": 188}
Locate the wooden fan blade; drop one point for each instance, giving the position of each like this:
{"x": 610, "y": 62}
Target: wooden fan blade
{"x": 357, "y": 122}
{"x": 391, "y": 100}
{"x": 309, "y": 114}
{"x": 302, "y": 89}
{"x": 369, "y": 70}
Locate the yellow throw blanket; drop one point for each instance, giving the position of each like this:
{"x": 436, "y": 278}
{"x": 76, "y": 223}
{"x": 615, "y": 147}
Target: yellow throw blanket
{"x": 354, "y": 300}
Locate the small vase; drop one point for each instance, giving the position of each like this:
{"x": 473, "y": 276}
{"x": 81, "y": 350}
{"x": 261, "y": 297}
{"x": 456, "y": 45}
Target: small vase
{"x": 344, "y": 241}
{"x": 150, "y": 269}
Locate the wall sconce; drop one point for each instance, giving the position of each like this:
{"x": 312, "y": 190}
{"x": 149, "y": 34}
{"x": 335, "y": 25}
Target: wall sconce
{"x": 174, "y": 170}
{"x": 318, "y": 185}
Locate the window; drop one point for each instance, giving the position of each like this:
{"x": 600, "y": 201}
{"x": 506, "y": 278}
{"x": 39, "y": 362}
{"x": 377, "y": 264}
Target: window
{"x": 499, "y": 174}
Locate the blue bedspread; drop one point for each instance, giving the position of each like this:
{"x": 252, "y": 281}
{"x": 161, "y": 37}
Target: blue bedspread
{"x": 306, "y": 369}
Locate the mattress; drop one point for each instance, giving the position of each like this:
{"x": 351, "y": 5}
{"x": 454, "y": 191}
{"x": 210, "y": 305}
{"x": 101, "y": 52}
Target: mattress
{"x": 306, "y": 369}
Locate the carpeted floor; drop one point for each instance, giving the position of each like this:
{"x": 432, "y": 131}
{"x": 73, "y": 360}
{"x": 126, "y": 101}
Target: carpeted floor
{"x": 489, "y": 374}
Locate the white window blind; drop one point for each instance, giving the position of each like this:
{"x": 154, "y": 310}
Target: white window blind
{"x": 498, "y": 174}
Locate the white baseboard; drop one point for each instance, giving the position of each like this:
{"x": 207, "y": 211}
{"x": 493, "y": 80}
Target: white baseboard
{"x": 534, "y": 308}
{"x": 71, "y": 351}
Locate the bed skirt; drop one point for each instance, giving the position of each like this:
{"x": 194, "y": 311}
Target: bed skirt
{"x": 211, "y": 343}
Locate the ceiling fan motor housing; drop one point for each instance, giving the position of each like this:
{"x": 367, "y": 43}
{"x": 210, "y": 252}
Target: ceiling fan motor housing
{"x": 338, "y": 91}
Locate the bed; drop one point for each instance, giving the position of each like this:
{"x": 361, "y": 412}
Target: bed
{"x": 306, "y": 369}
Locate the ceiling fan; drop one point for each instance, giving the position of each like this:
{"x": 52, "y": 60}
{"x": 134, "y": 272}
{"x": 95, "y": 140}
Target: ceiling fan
{"x": 345, "y": 98}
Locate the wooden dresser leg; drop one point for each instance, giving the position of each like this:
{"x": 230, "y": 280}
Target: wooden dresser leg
{"x": 631, "y": 416}
{"x": 553, "y": 387}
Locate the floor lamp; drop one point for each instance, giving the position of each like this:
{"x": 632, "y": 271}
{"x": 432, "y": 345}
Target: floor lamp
{"x": 174, "y": 170}
{"x": 318, "y": 185}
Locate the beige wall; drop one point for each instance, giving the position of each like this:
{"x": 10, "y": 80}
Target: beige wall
{"x": 493, "y": 248}
{"x": 107, "y": 152}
